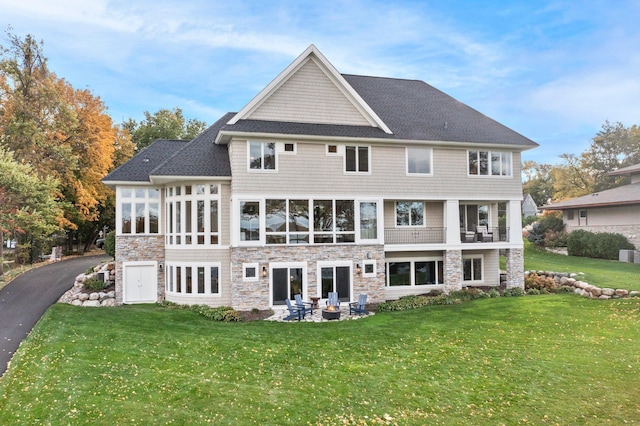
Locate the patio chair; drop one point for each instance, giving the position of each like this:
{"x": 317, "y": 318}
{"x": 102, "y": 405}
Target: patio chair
{"x": 359, "y": 306}
{"x": 333, "y": 299}
{"x": 483, "y": 234}
{"x": 303, "y": 306}
{"x": 294, "y": 312}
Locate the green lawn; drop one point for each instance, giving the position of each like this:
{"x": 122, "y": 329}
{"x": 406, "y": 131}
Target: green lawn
{"x": 598, "y": 272}
{"x": 554, "y": 359}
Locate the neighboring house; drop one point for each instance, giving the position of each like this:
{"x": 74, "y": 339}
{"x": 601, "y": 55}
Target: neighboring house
{"x": 529, "y": 207}
{"x": 615, "y": 210}
{"x": 323, "y": 182}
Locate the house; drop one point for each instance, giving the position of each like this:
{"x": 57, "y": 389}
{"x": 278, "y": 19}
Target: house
{"x": 323, "y": 182}
{"x": 529, "y": 207}
{"x": 615, "y": 210}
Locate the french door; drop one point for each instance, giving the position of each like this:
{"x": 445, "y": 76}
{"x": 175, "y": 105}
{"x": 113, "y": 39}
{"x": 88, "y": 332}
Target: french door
{"x": 336, "y": 278}
{"x": 285, "y": 283}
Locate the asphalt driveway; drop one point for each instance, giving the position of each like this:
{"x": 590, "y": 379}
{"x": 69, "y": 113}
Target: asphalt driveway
{"x": 27, "y": 297}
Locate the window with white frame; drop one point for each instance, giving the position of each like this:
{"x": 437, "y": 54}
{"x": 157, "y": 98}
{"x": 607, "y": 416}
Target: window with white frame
{"x": 472, "y": 269}
{"x": 418, "y": 160}
{"x": 356, "y": 159}
{"x": 250, "y": 272}
{"x": 368, "y": 220}
{"x": 489, "y": 163}
{"x": 261, "y": 155}
{"x": 369, "y": 268}
{"x": 196, "y": 279}
{"x": 138, "y": 210}
{"x": 410, "y": 213}
{"x": 193, "y": 214}
{"x": 307, "y": 221}
{"x": 415, "y": 272}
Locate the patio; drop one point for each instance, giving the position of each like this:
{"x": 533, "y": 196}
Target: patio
{"x": 281, "y": 312}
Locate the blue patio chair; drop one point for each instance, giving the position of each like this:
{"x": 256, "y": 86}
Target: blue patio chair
{"x": 359, "y": 306}
{"x": 304, "y": 306}
{"x": 294, "y": 312}
{"x": 333, "y": 299}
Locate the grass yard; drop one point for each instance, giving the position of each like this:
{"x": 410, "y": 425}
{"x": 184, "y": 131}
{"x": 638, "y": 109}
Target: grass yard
{"x": 553, "y": 359}
{"x": 598, "y": 272}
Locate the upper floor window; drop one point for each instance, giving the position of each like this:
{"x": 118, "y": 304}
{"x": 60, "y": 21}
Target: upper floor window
{"x": 139, "y": 211}
{"x": 489, "y": 163}
{"x": 262, "y": 155}
{"x": 356, "y": 159}
{"x": 410, "y": 213}
{"x": 418, "y": 160}
{"x": 193, "y": 214}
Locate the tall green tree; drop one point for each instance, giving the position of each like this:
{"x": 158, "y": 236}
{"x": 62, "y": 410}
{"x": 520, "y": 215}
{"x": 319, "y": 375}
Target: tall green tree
{"x": 163, "y": 124}
{"x": 28, "y": 202}
{"x": 538, "y": 181}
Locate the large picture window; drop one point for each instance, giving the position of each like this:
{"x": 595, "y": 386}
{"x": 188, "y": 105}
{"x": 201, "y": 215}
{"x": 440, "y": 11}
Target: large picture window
{"x": 415, "y": 272}
{"x": 307, "y": 221}
{"x": 489, "y": 163}
{"x": 138, "y": 210}
{"x": 193, "y": 215}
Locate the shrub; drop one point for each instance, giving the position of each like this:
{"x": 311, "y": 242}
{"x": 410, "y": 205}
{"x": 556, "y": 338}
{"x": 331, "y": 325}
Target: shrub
{"x": 469, "y": 293}
{"x": 533, "y": 291}
{"x": 603, "y": 245}
{"x": 551, "y": 221}
{"x": 94, "y": 284}
{"x": 220, "y": 313}
{"x": 564, "y": 289}
{"x": 539, "y": 282}
{"x": 555, "y": 239}
{"x": 513, "y": 292}
{"x": 493, "y": 293}
{"x": 110, "y": 244}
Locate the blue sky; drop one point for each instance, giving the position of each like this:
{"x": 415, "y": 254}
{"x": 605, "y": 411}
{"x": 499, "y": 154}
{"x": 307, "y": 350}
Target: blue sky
{"x": 551, "y": 70}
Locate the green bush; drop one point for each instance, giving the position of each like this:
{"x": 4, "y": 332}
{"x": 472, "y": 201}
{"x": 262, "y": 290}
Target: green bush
{"x": 514, "y": 292}
{"x": 220, "y": 313}
{"x": 603, "y": 245}
{"x": 94, "y": 284}
{"x": 548, "y": 222}
{"x": 412, "y": 302}
{"x": 533, "y": 291}
{"x": 493, "y": 293}
{"x": 110, "y": 244}
{"x": 564, "y": 289}
{"x": 469, "y": 293}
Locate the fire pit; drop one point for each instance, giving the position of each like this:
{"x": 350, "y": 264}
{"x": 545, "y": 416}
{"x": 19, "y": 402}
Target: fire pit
{"x": 331, "y": 313}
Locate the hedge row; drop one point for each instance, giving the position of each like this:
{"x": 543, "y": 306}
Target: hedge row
{"x": 602, "y": 245}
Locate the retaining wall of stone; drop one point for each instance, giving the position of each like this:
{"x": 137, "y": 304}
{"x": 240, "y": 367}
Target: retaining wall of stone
{"x": 583, "y": 288}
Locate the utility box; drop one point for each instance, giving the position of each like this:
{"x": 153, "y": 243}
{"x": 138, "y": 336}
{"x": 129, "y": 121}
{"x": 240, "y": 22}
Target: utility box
{"x": 626, "y": 256}
{"x": 636, "y": 257}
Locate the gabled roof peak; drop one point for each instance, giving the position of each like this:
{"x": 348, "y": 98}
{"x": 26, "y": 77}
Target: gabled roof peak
{"x": 312, "y": 53}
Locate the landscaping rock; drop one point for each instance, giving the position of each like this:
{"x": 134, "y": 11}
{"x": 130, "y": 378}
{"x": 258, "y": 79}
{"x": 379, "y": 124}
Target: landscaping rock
{"x": 621, "y": 292}
{"x": 108, "y": 302}
{"x": 91, "y": 303}
{"x": 94, "y": 296}
{"x": 83, "y": 296}
{"x": 608, "y": 291}
{"x": 76, "y": 303}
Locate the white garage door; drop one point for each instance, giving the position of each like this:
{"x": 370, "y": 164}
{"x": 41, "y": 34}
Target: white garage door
{"x": 140, "y": 283}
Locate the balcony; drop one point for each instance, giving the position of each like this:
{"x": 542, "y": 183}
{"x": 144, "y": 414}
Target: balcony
{"x": 490, "y": 235}
{"x": 414, "y": 235}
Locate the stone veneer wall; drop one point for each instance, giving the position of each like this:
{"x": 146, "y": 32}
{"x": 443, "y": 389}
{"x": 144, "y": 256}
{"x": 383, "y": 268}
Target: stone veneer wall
{"x": 452, "y": 270}
{"x": 246, "y": 295}
{"x": 631, "y": 232}
{"x": 131, "y": 248}
{"x": 515, "y": 266}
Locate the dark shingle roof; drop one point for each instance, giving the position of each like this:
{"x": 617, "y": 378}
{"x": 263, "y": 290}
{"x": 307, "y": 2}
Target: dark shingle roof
{"x": 138, "y": 168}
{"x": 415, "y": 110}
{"x": 199, "y": 157}
{"x": 412, "y": 109}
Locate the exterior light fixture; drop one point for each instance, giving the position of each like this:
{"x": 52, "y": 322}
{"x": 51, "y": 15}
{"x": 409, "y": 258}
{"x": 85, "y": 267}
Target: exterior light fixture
{"x": 358, "y": 269}
{"x": 264, "y": 271}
